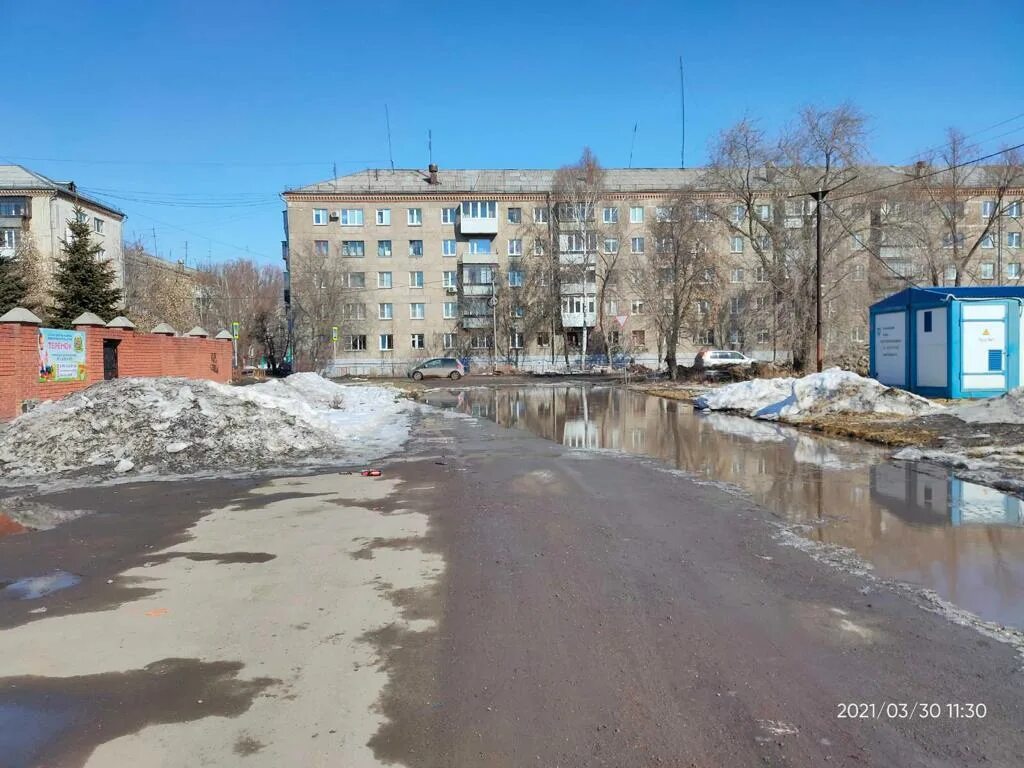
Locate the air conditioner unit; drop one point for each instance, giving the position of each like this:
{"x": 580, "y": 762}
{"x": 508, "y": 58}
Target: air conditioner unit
{"x": 335, "y": 216}
{"x": 451, "y": 290}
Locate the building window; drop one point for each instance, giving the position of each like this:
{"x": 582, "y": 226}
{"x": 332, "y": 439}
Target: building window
{"x": 477, "y": 275}
{"x": 736, "y": 275}
{"x": 735, "y": 338}
{"x": 988, "y": 270}
{"x": 764, "y": 212}
{"x": 414, "y": 217}
{"x": 859, "y": 334}
{"x": 636, "y": 214}
{"x": 415, "y": 279}
{"x": 573, "y": 339}
{"x": 928, "y": 321}
{"x": 320, "y": 216}
{"x": 479, "y": 245}
{"x": 636, "y": 245}
{"x": 950, "y": 273}
{"x": 448, "y": 247}
{"x": 763, "y": 337}
{"x": 988, "y": 209}
{"x": 706, "y": 337}
{"x": 639, "y": 338}
{"x": 9, "y": 237}
{"x": 101, "y": 255}
{"x": 857, "y": 242}
{"x": 12, "y": 207}
{"x": 663, "y": 213}
{"x": 97, "y": 226}
{"x": 737, "y": 213}
{"x": 322, "y": 247}
{"x": 515, "y": 340}
{"x": 448, "y": 341}
{"x": 611, "y": 245}
{"x": 538, "y": 247}
{"x": 385, "y": 311}
{"x": 761, "y": 303}
{"x": 543, "y": 340}
{"x": 384, "y": 280}
{"x": 636, "y": 307}
{"x": 1013, "y": 239}
{"x": 515, "y": 278}
{"x": 1013, "y": 270}
{"x": 761, "y": 274}
{"x": 415, "y": 248}
{"x": 354, "y": 343}
{"x": 703, "y": 307}
{"x": 352, "y": 217}
{"x": 611, "y": 216}
{"x": 663, "y": 245}
{"x": 860, "y": 272}
{"x": 515, "y": 247}
{"x": 947, "y": 241}
{"x": 353, "y": 248}
{"x": 540, "y": 215}
{"x": 387, "y": 342}
{"x": 518, "y": 312}
{"x": 480, "y": 209}
{"x": 384, "y": 217}
{"x": 448, "y": 278}
{"x": 736, "y": 244}
{"x": 987, "y": 242}
{"x": 354, "y": 311}
{"x": 515, "y": 215}
{"x": 735, "y": 305}
{"x": 480, "y": 341}
{"x": 418, "y": 340}
{"x": 1013, "y": 209}
{"x": 450, "y": 310}
{"x": 448, "y": 215}
{"x": 384, "y": 249}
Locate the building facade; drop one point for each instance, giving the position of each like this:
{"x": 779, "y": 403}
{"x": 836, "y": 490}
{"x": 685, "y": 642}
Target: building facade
{"x": 35, "y": 210}
{"x": 484, "y": 264}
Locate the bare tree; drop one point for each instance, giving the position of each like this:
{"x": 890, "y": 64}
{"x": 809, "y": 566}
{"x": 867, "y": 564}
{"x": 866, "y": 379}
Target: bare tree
{"x": 322, "y": 286}
{"x": 33, "y": 274}
{"x": 158, "y": 291}
{"x": 247, "y": 293}
{"x": 679, "y": 274}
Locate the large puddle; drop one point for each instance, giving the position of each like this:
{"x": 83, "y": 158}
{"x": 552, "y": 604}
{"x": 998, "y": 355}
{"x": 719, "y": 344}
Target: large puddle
{"x": 911, "y": 522}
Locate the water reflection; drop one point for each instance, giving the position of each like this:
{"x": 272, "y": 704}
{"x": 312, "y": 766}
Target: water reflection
{"x": 922, "y": 526}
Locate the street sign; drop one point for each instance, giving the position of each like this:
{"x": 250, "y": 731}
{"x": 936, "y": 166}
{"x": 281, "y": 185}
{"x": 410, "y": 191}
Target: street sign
{"x": 621, "y": 320}
{"x": 334, "y": 333}
{"x": 235, "y": 328}
{"x": 493, "y": 301}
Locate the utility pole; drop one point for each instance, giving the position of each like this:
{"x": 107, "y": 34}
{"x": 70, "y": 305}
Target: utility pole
{"x": 999, "y": 243}
{"x": 819, "y": 354}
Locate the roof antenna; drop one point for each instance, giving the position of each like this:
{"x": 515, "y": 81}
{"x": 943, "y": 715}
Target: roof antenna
{"x": 631, "y": 144}
{"x": 682, "y": 102}
{"x": 334, "y": 175}
{"x": 387, "y": 120}
{"x": 430, "y": 146}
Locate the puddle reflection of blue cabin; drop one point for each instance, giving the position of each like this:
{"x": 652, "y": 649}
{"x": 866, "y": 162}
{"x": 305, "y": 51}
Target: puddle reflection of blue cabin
{"x": 923, "y": 498}
{"x": 949, "y": 342}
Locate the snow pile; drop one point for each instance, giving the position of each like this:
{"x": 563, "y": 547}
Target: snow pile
{"x": 174, "y": 425}
{"x": 834, "y": 391}
{"x": 1005, "y": 409}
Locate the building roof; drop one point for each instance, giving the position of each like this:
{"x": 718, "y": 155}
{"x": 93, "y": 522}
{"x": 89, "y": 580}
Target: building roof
{"x": 525, "y": 180}
{"x": 931, "y": 294}
{"x": 19, "y": 178}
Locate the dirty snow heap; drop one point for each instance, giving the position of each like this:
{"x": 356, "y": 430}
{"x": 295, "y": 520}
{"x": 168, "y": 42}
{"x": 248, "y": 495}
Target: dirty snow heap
{"x": 834, "y": 391}
{"x": 181, "y": 426}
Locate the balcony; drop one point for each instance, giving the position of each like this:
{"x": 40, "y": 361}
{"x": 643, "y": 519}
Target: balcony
{"x": 477, "y": 289}
{"x": 577, "y": 258}
{"x": 579, "y": 289}
{"x": 576, "y": 319}
{"x": 479, "y": 258}
{"x": 475, "y": 321}
{"x": 478, "y": 217}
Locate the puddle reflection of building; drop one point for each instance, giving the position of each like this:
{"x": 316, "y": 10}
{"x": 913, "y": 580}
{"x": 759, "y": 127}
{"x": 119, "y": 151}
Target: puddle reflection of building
{"x": 919, "y": 497}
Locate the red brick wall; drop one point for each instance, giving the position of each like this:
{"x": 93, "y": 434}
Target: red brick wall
{"x": 138, "y": 354}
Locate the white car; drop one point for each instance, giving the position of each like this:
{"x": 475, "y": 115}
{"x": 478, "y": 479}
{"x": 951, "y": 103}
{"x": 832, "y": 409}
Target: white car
{"x": 719, "y": 357}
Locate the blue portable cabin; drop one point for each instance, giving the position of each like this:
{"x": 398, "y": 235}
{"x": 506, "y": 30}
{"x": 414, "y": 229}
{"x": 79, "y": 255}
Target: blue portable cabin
{"x": 949, "y": 342}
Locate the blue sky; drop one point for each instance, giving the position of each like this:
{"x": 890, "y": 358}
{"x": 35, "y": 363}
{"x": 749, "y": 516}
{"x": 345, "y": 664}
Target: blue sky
{"x": 193, "y": 117}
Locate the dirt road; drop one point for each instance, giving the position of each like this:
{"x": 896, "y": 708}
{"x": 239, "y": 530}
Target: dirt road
{"x": 495, "y": 600}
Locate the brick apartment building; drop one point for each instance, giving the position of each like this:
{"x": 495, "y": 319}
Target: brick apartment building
{"x": 449, "y": 261}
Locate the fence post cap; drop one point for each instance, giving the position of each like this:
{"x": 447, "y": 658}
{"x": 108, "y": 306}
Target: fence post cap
{"x": 224, "y": 335}
{"x": 20, "y": 315}
{"x": 198, "y": 332}
{"x": 121, "y": 322}
{"x": 164, "y": 329}
{"x": 88, "y": 318}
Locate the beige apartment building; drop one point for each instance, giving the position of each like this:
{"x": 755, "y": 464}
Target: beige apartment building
{"x": 35, "y": 210}
{"x": 418, "y": 264}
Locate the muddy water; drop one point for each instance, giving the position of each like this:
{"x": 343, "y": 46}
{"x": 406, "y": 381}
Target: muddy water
{"x": 912, "y": 523}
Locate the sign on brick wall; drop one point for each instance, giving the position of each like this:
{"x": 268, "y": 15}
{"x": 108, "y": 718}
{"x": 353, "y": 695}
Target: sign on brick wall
{"x": 61, "y": 355}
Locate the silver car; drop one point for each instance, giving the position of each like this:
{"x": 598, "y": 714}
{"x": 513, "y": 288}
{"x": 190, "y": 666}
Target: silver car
{"x": 438, "y": 367}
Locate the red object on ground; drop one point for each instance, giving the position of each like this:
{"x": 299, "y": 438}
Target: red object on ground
{"x": 370, "y": 473}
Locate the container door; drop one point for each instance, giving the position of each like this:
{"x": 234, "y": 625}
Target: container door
{"x": 983, "y": 343}
{"x": 110, "y": 358}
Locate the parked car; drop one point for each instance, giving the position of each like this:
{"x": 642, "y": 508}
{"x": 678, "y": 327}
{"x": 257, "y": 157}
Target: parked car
{"x": 438, "y": 367}
{"x": 718, "y": 357}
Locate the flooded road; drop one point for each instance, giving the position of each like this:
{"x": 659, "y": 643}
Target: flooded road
{"x": 912, "y": 523}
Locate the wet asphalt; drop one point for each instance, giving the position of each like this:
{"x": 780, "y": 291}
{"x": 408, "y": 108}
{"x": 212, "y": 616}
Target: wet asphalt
{"x": 596, "y": 610}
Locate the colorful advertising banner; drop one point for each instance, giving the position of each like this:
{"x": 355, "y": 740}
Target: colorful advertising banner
{"x": 61, "y": 355}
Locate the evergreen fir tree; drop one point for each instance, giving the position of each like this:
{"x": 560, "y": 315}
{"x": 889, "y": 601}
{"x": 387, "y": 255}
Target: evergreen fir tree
{"x": 82, "y": 283}
{"x": 13, "y": 287}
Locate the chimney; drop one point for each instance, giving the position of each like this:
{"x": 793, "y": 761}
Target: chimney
{"x": 432, "y": 178}
{"x": 919, "y": 168}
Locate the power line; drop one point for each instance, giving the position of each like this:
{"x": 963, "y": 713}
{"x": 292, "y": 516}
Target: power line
{"x": 211, "y": 163}
{"x": 978, "y": 133}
